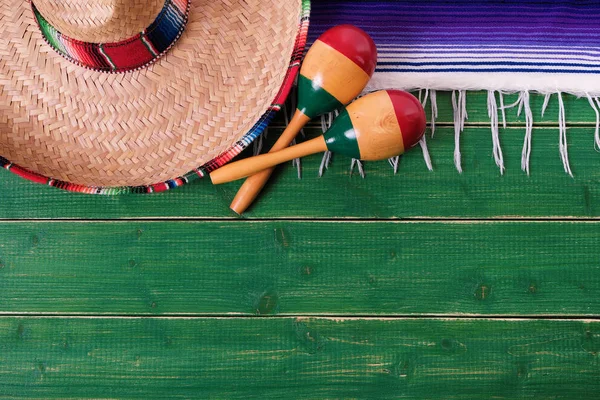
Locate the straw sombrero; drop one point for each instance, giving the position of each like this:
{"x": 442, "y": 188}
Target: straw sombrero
{"x": 112, "y": 96}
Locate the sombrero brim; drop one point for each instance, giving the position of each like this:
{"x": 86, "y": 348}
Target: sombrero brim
{"x": 21, "y": 150}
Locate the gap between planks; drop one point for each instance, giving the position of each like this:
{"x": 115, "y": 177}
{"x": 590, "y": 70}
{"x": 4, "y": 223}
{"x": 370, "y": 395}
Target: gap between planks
{"x": 357, "y": 220}
{"x": 328, "y": 317}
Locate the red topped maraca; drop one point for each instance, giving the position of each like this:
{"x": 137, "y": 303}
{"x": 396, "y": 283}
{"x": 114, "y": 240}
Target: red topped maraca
{"x": 377, "y": 126}
{"x": 336, "y": 69}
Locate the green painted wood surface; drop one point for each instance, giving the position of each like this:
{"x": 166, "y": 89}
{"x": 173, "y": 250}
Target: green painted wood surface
{"x": 291, "y": 268}
{"x": 298, "y": 358}
{"x": 480, "y": 192}
{"x": 499, "y": 277}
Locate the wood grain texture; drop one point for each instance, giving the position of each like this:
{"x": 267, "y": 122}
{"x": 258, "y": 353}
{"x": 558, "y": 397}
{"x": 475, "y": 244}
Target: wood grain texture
{"x": 216, "y": 308}
{"x": 300, "y": 268}
{"x": 298, "y": 358}
{"x": 375, "y": 125}
{"x": 480, "y": 192}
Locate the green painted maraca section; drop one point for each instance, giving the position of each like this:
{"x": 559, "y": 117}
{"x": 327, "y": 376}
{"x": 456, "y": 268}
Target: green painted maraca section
{"x": 341, "y": 137}
{"x": 313, "y": 100}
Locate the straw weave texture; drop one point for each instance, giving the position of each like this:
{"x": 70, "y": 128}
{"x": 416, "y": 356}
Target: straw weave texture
{"x": 92, "y": 128}
{"x": 100, "y": 21}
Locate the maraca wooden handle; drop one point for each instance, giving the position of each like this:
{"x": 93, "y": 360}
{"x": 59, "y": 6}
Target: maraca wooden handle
{"x": 250, "y": 166}
{"x": 335, "y": 70}
{"x": 254, "y": 184}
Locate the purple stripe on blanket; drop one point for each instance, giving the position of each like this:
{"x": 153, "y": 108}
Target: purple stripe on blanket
{"x": 530, "y": 34}
{"x": 465, "y": 22}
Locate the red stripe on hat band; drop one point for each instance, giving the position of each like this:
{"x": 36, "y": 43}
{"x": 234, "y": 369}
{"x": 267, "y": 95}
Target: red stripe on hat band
{"x": 23, "y": 173}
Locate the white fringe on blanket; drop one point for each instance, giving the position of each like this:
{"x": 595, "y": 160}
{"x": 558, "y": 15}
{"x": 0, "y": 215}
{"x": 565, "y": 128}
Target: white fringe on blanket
{"x": 423, "y": 141}
{"x": 460, "y": 115}
{"x": 526, "y": 153}
{"x": 493, "y": 114}
{"x": 562, "y": 129}
{"x": 496, "y": 110}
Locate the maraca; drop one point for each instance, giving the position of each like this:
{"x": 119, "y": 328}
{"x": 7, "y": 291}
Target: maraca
{"x": 377, "y": 126}
{"x": 336, "y": 69}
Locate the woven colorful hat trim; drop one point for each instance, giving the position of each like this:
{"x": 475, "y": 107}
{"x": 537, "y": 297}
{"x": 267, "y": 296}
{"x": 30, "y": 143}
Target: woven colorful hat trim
{"x": 200, "y": 172}
{"x": 130, "y": 54}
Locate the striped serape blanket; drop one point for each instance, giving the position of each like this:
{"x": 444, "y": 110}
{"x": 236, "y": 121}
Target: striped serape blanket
{"x": 501, "y": 46}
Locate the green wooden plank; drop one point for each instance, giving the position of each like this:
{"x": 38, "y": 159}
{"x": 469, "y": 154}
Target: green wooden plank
{"x": 298, "y": 358}
{"x": 480, "y": 192}
{"x": 290, "y": 268}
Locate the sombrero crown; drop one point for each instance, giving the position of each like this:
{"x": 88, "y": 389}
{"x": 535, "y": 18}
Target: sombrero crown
{"x": 191, "y": 83}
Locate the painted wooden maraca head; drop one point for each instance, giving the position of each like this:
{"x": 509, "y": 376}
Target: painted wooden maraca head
{"x": 377, "y": 126}
{"x": 336, "y": 69}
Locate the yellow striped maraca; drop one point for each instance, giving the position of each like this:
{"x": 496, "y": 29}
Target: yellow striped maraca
{"x": 336, "y": 69}
{"x": 377, "y": 126}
